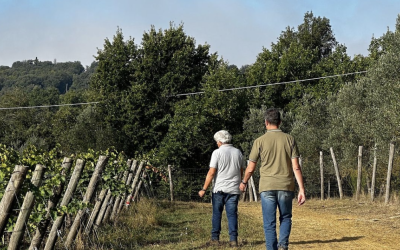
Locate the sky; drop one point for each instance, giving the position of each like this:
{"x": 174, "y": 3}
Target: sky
{"x": 237, "y": 30}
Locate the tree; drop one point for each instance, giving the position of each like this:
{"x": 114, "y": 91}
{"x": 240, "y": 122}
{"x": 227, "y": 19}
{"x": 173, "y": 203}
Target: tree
{"x": 136, "y": 82}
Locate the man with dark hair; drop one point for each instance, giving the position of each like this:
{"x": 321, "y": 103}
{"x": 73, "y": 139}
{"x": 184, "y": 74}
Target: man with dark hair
{"x": 279, "y": 155}
{"x": 226, "y": 168}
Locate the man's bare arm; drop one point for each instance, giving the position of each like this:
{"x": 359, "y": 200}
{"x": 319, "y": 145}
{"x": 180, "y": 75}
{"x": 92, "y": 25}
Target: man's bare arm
{"x": 209, "y": 177}
{"x": 299, "y": 178}
{"x": 249, "y": 172}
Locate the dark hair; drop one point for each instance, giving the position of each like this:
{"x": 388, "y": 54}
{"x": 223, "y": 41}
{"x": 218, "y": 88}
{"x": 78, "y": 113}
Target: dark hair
{"x": 273, "y": 116}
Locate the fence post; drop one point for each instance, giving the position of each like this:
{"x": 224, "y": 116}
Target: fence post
{"x": 127, "y": 183}
{"x": 103, "y": 209}
{"x": 26, "y": 209}
{"x": 329, "y": 188}
{"x": 101, "y": 163}
{"x": 337, "y": 173}
{"x": 73, "y": 183}
{"x": 249, "y": 188}
{"x": 135, "y": 180}
{"x": 95, "y": 211}
{"x": 109, "y": 209}
{"x": 139, "y": 185}
{"x": 359, "y": 173}
{"x": 119, "y": 199}
{"x": 12, "y": 189}
{"x": 254, "y": 188}
{"x": 389, "y": 173}
{"x": 43, "y": 224}
{"x": 373, "y": 176}
{"x": 321, "y": 169}
{"x": 171, "y": 185}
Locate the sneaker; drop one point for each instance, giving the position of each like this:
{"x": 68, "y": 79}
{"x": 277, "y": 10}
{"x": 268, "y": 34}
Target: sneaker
{"x": 233, "y": 243}
{"x": 283, "y": 248}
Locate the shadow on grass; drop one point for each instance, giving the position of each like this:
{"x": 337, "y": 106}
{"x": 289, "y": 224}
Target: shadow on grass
{"x": 327, "y": 241}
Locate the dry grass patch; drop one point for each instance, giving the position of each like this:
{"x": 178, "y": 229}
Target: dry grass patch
{"x": 328, "y": 224}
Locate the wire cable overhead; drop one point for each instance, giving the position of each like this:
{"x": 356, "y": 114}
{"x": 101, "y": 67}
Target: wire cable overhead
{"x": 272, "y": 84}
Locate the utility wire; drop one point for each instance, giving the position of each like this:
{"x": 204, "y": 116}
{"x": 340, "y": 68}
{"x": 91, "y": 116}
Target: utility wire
{"x": 49, "y": 106}
{"x": 272, "y": 84}
{"x": 196, "y": 93}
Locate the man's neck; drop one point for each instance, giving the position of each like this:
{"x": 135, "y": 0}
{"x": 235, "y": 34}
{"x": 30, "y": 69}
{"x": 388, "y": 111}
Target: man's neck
{"x": 272, "y": 127}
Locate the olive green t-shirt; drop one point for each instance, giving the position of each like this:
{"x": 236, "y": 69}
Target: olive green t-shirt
{"x": 276, "y": 150}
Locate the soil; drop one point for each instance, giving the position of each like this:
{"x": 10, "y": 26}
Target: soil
{"x": 339, "y": 224}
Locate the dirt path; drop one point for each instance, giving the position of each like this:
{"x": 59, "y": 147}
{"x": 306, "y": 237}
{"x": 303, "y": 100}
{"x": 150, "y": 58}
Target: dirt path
{"x": 336, "y": 224}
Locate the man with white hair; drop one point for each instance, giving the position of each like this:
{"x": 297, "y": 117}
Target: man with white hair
{"x": 226, "y": 168}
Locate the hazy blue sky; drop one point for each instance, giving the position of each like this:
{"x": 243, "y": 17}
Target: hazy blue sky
{"x": 72, "y": 30}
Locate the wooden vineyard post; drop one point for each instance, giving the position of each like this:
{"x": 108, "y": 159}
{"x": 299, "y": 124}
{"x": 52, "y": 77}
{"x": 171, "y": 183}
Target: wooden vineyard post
{"x": 95, "y": 211}
{"x": 109, "y": 209}
{"x": 132, "y": 172}
{"x": 131, "y": 165}
{"x": 337, "y": 173}
{"x": 359, "y": 173}
{"x": 135, "y": 180}
{"x": 253, "y": 187}
{"x": 101, "y": 163}
{"x": 250, "y": 190}
{"x": 12, "y": 189}
{"x": 373, "y": 176}
{"x": 329, "y": 189}
{"x": 144, "y": 175}
{"x": 112, "y": 202}
{"x": 103, "y": 209}
{"x": 321, "y": 169}
{"x": 26, "y": 209}
{"x": 73, "y": 183}
{"x": 43, "y": 224}
{"x": 389, "y": 172}
{"x": 171, "y": 185}
{"x": 118, "y": 199}
{"x": 127, "y": 183}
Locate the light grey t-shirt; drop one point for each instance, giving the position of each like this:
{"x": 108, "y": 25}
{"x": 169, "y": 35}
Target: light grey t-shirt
{"x": 228, "y": 161}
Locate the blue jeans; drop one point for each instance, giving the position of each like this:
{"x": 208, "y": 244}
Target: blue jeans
{"x": 230, "y": 201}
{"x": 270, "y": 200}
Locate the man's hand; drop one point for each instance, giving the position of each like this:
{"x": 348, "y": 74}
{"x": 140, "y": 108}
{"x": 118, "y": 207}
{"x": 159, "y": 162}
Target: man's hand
{"x": 242, "y": 187}
{"x": 202, "y": 193}
{"x": 301, "y": 198}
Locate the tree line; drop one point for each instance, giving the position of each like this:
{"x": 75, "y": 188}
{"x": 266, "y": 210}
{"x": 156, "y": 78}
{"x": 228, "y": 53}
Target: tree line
{"x": 139, "y": 112}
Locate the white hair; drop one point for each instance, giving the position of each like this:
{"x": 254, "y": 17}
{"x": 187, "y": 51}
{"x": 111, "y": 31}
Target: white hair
{"x": 223, "y": 136}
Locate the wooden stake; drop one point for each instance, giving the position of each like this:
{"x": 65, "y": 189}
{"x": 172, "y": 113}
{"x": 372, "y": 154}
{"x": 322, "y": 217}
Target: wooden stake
{"x": 73, "y": 183}
{"x": 253, "y": 187}
{"x": 321, "y": 169}
{"x": 171, "y": 185}
{"x": 26, "y": 209}
{"x": 12, "y": 189}
{"x": 101, "y": 163}
{"x": 95, "y": 211}
{"x": 337, "y": 173}
{"x": 373, "y": 176}
{"x": 43, "y": 224}
{"x": 389, "y": 173}
{"x": 359, "y": 173}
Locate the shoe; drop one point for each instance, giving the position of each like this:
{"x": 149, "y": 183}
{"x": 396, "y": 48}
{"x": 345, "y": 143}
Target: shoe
{"x": 283, "y": 248}
{"x": 213, "y": 242}
{"x": 233, "y": 243}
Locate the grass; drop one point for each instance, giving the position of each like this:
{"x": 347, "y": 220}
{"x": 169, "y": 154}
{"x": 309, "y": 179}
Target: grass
{"x": 329, "y": 224}
{"x": 153, "y": 224}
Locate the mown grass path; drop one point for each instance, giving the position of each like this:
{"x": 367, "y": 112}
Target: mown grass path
{"x": 330, "y": 224}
